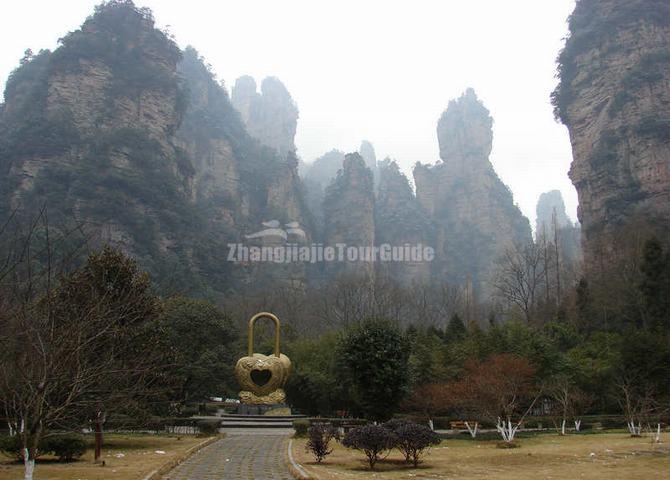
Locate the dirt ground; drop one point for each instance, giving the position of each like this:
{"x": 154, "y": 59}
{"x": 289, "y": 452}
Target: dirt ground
{"x": 606, "y": 456}
{"x": 127, "y": 457}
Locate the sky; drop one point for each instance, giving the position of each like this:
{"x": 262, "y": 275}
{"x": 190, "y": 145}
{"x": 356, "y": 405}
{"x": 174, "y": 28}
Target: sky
{"x": 381, "y": 70}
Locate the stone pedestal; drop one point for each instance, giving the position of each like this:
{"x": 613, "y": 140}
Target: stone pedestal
{"x": 280, "y": 409}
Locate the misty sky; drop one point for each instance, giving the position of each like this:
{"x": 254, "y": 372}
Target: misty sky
{"x": 373, "y": 69}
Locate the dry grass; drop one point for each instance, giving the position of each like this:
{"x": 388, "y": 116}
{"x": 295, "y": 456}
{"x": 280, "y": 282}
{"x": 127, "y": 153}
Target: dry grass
{"x": 127, "y": 457}
{"x": 616, "y": 456}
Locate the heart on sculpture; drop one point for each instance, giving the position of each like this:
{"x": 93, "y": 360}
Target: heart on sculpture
{"x": 262, "y": 374}
{"x": 261, "y": 377}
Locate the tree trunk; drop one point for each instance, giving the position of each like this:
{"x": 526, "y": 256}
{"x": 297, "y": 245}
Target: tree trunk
{"x": 506, "y": 430}
{"x": 635, "y": 430}
{"x": 98, "y": 440}
{"x": 473, "y": 431}
{"x": 28, "y": 464}
{"x": 563, "y": 427}
{"x": 578, "y": 425}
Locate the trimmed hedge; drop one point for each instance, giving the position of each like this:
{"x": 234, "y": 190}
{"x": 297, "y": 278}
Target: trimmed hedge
{"x": 67, "y": 447}
{"x": 209, "y": 427}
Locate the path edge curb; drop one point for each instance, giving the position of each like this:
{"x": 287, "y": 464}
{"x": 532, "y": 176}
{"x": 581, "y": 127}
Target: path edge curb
{"x": 165, "y": 468}
{"x": 297, "y": 471}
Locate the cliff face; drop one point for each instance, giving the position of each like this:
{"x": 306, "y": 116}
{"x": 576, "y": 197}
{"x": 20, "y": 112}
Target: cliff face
{"x": 270, "y": 116}
{"x": 550, "y": 212}
{"x": 120, "y": 131}
{"x": 320, "y": 173}
{"x": 349, "y": 214}
{"x": 87, "y": 130}
{"x": 367, "y": 151}
{"x": 318, "y": 176}
{"x": 473, "y": 212}
{"x": 554, "y": 227}
{"x": 399, "y": 220}
{"x": 614, "y": 97}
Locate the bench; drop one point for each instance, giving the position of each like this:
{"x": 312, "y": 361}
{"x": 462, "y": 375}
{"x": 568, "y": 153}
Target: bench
{"x": 461, "y": 425}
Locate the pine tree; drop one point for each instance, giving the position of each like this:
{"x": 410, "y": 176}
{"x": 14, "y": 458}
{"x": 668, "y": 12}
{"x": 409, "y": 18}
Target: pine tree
{"x": 655, "y": 284}
{"x": 456, "y": 329}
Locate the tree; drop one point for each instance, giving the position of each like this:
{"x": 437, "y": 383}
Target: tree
{"x": 371, "y": 440}
{"x": 413, "y": 440}
{"x": 313, "y": 387}
{"x": 201, "y": 341}
{"x": 499, "y": 390}
{"x": 429, "y": 399}
{"x": 427, "y": 363}
{"x": 456, "y": 329}
{"x": 374, "y": 362}
{"x": 75, "y": 346}
{"x": 655, "y": 283}
{"x": 519, "y": 278}
{"x": 642, "y": 379}
{"x": 318, "y": 444}
{"x": 567, "y": 401}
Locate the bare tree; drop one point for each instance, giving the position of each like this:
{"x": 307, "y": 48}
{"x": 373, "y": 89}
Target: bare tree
{"x": 70, "y": 346}
{"x": 347, "y": 301}
{"x": 639, "y": 404}
{"x": 568, "y": 401}
{"x": 519, "y": 278}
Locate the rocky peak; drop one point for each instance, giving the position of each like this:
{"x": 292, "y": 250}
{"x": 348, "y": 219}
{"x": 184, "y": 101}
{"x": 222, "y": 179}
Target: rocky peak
{"x": 473, "y": 211}
{"x": 614, "y": 98}
{"x": 324, "y": 169}
{"x": 271, "y": 116}
{"x": 550, "y": 204}
{"x": 393, "y": 184}
{"x": 119, "y": 131}
{"x": 399, "y": 220}
{"x": 244, "y": 95}
{"x": 367, "y": 151}
{"x": 464, "y": 131}
{"x": 349, "y": 207}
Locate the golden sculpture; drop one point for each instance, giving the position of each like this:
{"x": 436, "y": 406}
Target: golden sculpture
{"x": 262, "y": 377}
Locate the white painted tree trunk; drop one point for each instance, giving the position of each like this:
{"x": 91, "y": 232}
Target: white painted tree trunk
{"x": 28, "y": 464}
{"x": 430, "y": 424}
{"x": 657, "y": 436}
{"x": 635, "y": 430}
{"x": 563, "y": 427}
{"x": 473, "y": 430}
{"x": 578, "y": 425}
{"x": 507, "y": 430}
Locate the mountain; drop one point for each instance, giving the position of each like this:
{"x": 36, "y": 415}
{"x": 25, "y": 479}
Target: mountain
{"x": 472, "y": 210}
{"x": 323, "y": 171}
{"x": 349, "y": 209}
{"x": 400, "y": 220}
{"x": 131, "y": 141}
{"x": 550, "y": 212}
{"x": 614, "y": 98}
{"x": 270, "y": 116}
{"x": 554, "y": 227}
{"x": 120, "y": 132}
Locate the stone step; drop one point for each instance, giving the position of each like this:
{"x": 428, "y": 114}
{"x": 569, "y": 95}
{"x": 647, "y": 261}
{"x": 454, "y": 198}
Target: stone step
{"x": 225, "y": 425}
{"x": 271, "y": 418}
{"x": 258, "y": 421}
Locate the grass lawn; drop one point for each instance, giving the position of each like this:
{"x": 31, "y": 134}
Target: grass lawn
{"x": 126, "y": 457}
{"x": 616, "y": 456}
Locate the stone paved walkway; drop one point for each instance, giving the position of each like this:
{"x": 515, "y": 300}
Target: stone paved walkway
{"x": 241, "y": 455}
